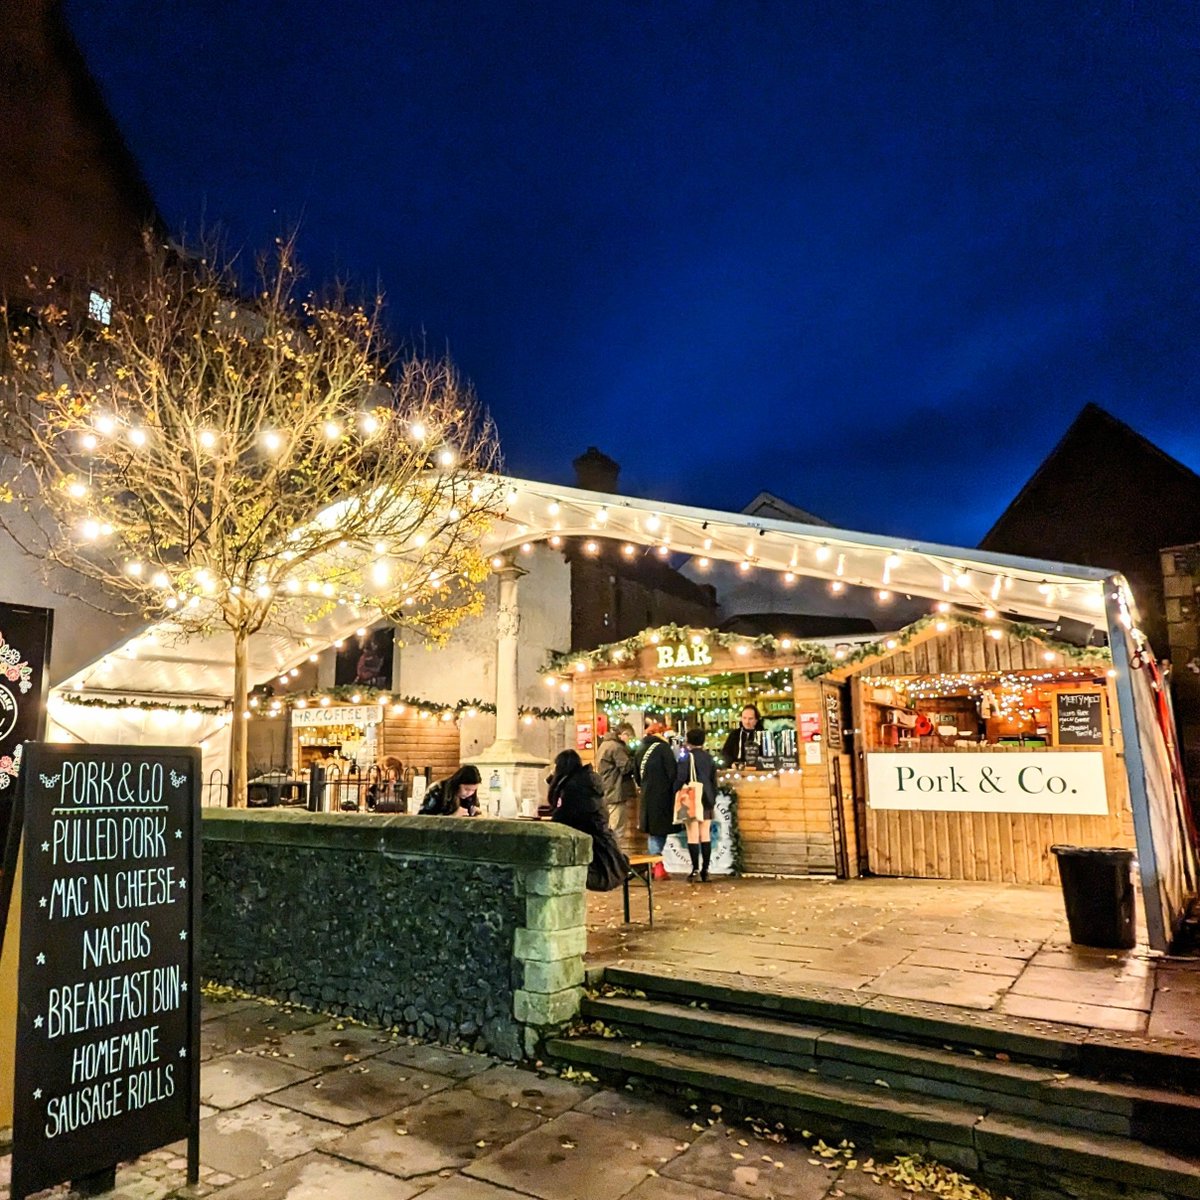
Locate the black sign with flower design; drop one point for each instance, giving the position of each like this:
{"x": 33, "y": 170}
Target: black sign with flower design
{"x": 24, "y": 658}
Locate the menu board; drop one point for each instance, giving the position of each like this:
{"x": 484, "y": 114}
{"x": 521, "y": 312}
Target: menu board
{"x": 108, "y": 1006}
{"x": 1080, "y": 718}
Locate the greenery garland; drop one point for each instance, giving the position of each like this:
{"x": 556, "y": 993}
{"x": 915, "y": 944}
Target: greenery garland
{"x": 78, "y": 701}
{"x": 348, "y": 693}
{"x": 820, "y": 661}
{"x": 1020, "y": 630}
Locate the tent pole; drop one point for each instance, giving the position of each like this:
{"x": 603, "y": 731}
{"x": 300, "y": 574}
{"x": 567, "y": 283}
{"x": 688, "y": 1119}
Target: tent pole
{"x": 1135, "y": 771}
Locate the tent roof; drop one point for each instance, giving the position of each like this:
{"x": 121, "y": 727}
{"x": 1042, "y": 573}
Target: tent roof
{"x": 159, "y": 661}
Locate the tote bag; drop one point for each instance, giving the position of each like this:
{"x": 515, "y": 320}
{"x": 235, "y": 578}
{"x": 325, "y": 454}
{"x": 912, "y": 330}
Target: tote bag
{"x": 689, "y": 800}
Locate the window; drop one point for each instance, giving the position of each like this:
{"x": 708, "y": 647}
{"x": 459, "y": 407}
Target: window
{"x": 99, "y": 308}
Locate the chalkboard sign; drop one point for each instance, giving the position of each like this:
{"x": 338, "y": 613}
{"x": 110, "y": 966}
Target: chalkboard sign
{"x": 108, "y": 1007}
{"x": 1080, "y": 718}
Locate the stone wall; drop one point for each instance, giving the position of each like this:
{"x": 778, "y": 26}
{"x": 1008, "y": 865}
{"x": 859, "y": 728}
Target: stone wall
{"x": 465, "y": 932}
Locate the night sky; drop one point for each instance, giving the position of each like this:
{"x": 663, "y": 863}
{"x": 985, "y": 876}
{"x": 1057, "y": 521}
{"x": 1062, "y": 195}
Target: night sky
{"x": 871, "y": 257}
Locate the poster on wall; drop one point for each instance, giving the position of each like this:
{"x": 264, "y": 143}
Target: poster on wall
{"x": 108, "y": 1000}
{"x": 24, "y": 657}
{"x": 366, "y": 661}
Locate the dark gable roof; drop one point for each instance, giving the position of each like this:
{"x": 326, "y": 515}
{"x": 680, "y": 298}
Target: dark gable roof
{"x": 1101, "y": 471}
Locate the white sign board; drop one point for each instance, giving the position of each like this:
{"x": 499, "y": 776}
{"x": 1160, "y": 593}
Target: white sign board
{"x": 1002, "y": 782}
{"x": 337, "y": 714}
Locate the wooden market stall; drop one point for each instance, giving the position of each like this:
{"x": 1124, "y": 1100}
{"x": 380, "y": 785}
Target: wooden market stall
{"x": 954, "y": 749}
{"x": 787, "y": 814}
{"x": 979, "y": 746}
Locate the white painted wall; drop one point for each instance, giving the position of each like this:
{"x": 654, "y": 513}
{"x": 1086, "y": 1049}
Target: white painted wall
{"x": 81, "y": 631}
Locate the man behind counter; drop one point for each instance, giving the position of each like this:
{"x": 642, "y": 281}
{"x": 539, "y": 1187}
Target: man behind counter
{"x": 741, "y": 746}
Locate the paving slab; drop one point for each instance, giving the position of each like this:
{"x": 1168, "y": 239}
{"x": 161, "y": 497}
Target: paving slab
{"x": 1038, "y": 1008}
{"x": 445, "y": 1132}
{"x": 258, "y": 1136}
{"x": 237, "y": 1078}
{"x": 252, "y": 1029}
{"x": 548, "y": 1096}
{"x": 359, "y": 1092}
{"x": 717, "y": 1159}
{"x": 319, "y": 1176}
{"x": 330, "y": 1044}
{"x": 963, "y": 989}
{"x": 462, "y": 1188}
{"x": 649, "y": 1115}
{"x": 1086, "y": 987}
{"x": 558, "y": 1161}
{"x": 960, "y": 960}
{"x": 440, "y": 1061}
{"x": 659, "y": 1187}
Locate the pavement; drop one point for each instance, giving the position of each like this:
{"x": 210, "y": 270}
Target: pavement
{"x": 973, "y": 946}
{"x": 300, "y": 1106}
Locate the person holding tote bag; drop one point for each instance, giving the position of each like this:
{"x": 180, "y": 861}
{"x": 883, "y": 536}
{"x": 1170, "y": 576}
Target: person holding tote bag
{"x": 698, "y": 767}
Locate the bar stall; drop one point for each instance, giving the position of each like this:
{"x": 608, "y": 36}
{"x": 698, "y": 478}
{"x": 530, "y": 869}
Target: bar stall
{"x": 775, "y": 816}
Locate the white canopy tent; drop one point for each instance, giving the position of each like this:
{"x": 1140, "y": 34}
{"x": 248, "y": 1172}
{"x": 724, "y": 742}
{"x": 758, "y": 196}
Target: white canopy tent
{"x": 159, "y": 662}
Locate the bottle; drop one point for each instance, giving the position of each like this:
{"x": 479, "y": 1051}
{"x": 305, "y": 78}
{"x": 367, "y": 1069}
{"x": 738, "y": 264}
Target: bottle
{"x": 494, "y": 790}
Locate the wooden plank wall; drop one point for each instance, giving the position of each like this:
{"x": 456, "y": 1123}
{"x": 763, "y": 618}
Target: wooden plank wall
{"x": 786, "y": 822}
{"x": 421, "y": 742}
{"x": 994, "y": 847}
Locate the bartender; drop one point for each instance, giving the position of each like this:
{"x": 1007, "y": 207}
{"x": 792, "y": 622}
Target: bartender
{"x": 741, "y": 746}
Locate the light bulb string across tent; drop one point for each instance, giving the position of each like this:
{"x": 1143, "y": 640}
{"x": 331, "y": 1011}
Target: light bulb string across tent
{"x": 539, "y": 513}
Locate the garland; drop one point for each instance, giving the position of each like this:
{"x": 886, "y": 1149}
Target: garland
{"x": 819, "y": 659}
{"x": 1019, "y": 630}
{"x": 78, "y": 701}
{"x": 348, "y": 693}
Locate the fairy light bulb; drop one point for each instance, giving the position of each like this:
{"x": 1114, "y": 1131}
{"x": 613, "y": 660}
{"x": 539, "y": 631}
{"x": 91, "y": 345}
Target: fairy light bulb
{"x": 417, "y": 429}
{"x": 370, "y": 424}
{"x": 333, "y": 430}
{"x": 207, "y": 439}
{"x": 823, "y": 553}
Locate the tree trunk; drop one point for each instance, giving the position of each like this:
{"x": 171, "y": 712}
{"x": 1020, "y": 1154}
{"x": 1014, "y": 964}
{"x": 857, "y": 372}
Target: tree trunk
{"x": 240, "y": 727}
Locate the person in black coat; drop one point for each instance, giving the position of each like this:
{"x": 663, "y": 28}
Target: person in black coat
{"x": 576, "y": 798}
{"x": 741, "y": 746}
{"x": 456, "y": 796}
{"x": 699, "y": 764}
{"x": 656, "y": 775}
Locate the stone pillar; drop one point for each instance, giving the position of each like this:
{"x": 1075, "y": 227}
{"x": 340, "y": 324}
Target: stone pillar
{"x": 550, "y": 949}
{"x": 512, "y": 781}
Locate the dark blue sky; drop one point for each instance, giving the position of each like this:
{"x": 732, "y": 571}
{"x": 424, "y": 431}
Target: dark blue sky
{"x": 872, "y": 257}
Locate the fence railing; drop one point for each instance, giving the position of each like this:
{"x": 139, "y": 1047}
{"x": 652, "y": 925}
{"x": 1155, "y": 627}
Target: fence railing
{"x": 376, "y": 789}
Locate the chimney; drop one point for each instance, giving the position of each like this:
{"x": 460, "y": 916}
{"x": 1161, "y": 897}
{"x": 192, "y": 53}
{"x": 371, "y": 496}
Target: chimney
{"x": 596, "y": 472}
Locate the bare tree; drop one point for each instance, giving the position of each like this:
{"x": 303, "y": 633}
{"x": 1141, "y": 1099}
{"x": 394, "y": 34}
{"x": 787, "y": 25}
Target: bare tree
{"x": 244, "y": 459}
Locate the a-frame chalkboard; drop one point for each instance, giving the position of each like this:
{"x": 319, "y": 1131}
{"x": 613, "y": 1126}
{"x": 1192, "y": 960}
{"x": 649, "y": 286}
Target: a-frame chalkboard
{"x": 108, "y": 1004}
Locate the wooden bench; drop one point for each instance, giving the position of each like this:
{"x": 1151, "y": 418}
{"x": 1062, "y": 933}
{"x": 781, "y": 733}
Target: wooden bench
{"x": 641, "y": 867}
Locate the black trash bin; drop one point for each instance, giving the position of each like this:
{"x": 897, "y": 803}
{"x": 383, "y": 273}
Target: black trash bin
{"x": 1097, "y": 886}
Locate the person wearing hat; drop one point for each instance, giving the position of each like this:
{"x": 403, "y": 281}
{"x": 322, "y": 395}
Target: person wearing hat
{"x": 656, "y": 775}
{"x": 614, "y": 765}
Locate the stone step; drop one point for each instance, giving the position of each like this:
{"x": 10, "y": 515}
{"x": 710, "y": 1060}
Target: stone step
{"x": 1158, "y": 1116}
{"x": 1071, "y": 1048}
{"x": 1003, "y": 1147}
